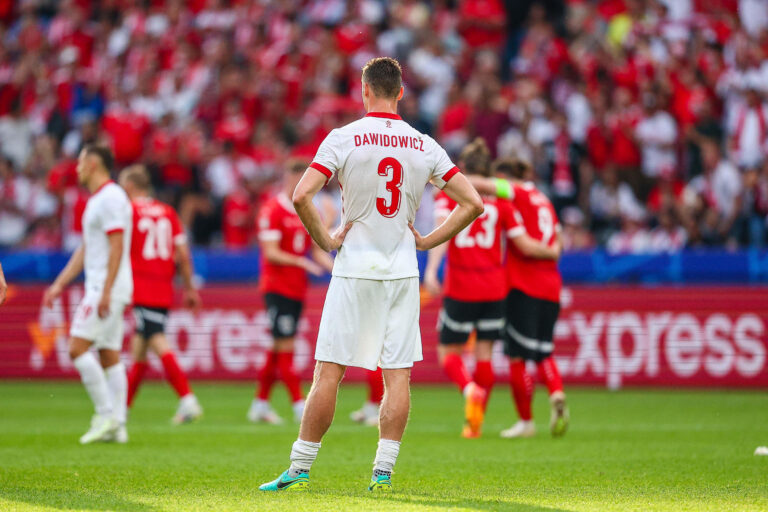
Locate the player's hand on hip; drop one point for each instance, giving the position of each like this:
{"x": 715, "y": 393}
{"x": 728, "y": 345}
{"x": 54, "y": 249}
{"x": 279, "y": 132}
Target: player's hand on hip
{"x": 192, "y": 299}
{"x": 104, "y": 305}
{"x": 338, "y": 236}
{"x": 421, "y": 242}
{"x": 3, "y": 292}
{"x": 52, "y": 293}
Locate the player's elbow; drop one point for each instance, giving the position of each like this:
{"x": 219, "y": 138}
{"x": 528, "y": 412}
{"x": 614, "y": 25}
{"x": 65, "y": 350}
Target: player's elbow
{"x": 476, "y": 205}
{"x": 301, "y": 197}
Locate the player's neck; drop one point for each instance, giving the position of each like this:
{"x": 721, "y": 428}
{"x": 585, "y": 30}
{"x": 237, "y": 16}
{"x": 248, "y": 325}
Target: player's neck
{"x": 97, "y": 181}
{"x": 382, "y": 106}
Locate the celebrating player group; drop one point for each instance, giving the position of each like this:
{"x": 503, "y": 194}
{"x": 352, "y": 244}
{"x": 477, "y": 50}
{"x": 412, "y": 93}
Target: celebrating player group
{"x": 499, "y": 237}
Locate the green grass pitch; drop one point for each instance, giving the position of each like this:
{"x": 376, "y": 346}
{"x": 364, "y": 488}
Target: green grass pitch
{"x": 628, "y": 450}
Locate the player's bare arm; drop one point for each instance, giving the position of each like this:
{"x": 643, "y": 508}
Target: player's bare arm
{"x": 469, "y": 207}
{"x": 434, "y": 258}
{"x": 186, "y": 270}
{"x": 486, "y": 186}
{"x": 68, "y": 274}
{"x": 322, "y": 258}
{"x": 532, "y": 248}
{"x": 3, "y": 286}
{"x": 115, "y": 241}
{"x": 308, "y": 187}
{"x": 274, "y": 254}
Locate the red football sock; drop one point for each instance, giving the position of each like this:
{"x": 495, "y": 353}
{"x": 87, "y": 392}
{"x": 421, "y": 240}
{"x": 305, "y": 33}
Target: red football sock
{"x": 267, "y": 377}
{"x": 484, "y": 378}
{"x": 454, "y": 367}
{"x": 550, "y": 375}
{"x": 288, "y": 375}
{"x": 135, "y": 376}
{"x": 175, "y": 375}
{"x": 375, "y": 386}
{"x": 522, "y": 388}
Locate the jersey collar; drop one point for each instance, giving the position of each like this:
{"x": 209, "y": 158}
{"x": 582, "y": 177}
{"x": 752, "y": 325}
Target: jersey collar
{"x": 385, "y": 115}
{"x": 285, "y": 202}
{"x": 102, "y": 186}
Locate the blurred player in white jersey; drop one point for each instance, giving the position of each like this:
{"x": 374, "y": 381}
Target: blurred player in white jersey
{"x": 371, "y": 313}
{"x": 98, "y": 321}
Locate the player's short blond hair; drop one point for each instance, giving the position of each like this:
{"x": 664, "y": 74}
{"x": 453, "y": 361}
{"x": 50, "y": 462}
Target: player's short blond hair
{"x": 475, "y": 158}
{"x": 137, "y": 175}
{"x": 384, "y": 76}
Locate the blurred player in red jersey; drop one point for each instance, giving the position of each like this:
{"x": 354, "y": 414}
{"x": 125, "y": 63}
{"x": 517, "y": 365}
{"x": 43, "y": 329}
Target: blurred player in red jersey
{"x": 475, "y": 286}
{"x": 284, "y": 266}
{"x": 158, "y": 245}
{"x": 533, "y": 302}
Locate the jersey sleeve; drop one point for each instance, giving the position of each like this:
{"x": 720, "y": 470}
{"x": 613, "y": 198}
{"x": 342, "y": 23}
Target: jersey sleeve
{"x": 116, "y": 214}
{"x": 269, "y": 225}
{"x": 443, "y": 169}
{"x": 179, "y": 237}
{"x": 328, "y": 157}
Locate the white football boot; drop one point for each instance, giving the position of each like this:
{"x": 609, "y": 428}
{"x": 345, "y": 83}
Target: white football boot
{"x": 189, "y": 410}
{"x": 368, "y": 415}
{"x": 298, "y": 410}
{"x": 520, "y": 429}
{"x": 261, "y": 412}
{"x": 119, "y": 436}
{"x": 102, "y": 429}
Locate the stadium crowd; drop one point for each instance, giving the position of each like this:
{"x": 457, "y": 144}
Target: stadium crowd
{"x": 646, "y": 120}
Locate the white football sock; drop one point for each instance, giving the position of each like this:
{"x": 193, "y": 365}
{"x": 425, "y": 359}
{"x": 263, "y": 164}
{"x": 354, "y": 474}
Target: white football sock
{"x": 303, "y": 454}
{"x": 386, "y": 455}
{"x": 95, "y": 382}
{"x": 118, "y": 386}
{"x": 188, "y": 400}
{"x": 298, "y": 408}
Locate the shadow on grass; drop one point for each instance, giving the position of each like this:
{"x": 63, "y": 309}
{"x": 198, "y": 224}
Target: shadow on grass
{"x": 473, "y": 503}
{"x": 72, "y": 499}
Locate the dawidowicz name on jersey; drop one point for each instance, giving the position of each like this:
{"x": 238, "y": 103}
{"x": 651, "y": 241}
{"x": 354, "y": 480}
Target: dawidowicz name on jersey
{"x": 387, "y": 141}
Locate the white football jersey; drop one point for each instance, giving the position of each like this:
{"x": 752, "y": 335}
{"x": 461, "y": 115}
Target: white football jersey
{"x": 383, "y": 165}
{"x": 108, "y": 210}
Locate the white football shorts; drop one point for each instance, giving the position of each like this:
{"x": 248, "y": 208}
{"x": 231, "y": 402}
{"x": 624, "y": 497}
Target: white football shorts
{"x": 368, "y": 323}
{"x": 104, "y": 333}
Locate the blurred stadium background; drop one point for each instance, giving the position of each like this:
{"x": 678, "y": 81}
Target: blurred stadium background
{"x": 646, "y": 121}
{"x": 647, "y": 124}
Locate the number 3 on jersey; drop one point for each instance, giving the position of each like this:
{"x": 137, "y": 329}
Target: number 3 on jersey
{"x": 390, "y": 209}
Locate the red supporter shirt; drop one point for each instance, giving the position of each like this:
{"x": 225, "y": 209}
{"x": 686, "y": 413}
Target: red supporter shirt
{"x": 236, "y": 226}
{"x": 536, "y": 278}
{"x": 156, "y": 233}
{"x": 474, "y": 269}
{"x": 278, "y": 222}
{"x": 127, "y": 130}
